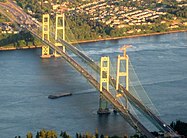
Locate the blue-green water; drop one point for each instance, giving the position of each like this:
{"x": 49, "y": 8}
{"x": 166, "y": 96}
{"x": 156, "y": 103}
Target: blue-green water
{"x": 26, "y": 81}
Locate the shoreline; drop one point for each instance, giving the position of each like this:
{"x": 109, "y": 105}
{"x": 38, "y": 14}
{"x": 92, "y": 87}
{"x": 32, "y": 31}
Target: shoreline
{"x": 130, "y": 36}
{"x": 18, "y": 48}
{"x": 96, "y": 40}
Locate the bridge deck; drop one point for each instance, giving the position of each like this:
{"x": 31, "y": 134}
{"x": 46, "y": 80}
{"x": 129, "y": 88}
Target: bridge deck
{"x": 161, "y": 125}
{"x": 109, "y": 97}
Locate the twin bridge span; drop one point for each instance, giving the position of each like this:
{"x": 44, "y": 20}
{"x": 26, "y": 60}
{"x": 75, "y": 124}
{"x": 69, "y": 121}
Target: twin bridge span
{"x": 15, "y": 13}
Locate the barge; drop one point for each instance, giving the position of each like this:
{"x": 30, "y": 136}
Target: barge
{"x": 58, "y": 95}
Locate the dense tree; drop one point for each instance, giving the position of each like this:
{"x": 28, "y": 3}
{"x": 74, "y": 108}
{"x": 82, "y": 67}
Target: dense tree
{"x": 29, "y": 135}
{"x": 64, "y": 134}
{"x": 180, "y": 127}
{"x": 21, "y": 39}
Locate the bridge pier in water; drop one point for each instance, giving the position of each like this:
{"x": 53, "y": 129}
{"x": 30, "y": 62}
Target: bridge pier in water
{"x": 104, "y": 79}
{"x": 45, "y": 36}
{"x": 123, "y": 73}
{"x": 60, "y": 18}
{"x": 58, "y": 27}
{"x": 104, "y": 82}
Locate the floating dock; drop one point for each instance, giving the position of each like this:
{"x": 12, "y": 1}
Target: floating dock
{"x": 58, "y": 95}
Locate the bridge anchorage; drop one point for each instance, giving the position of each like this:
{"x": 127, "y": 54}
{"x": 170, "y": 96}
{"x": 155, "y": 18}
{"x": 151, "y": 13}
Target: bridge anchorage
{"x": 121, "y": 98}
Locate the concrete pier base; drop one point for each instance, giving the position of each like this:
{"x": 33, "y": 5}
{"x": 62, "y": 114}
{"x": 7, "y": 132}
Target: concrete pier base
{"x": 115, "y": 111}
{"x": 57, "y": 55}
{"x": 101, "y": 111}
{"x": 45, "y": 56}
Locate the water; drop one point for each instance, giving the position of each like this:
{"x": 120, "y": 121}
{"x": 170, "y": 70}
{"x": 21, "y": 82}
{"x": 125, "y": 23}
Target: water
{"x": 26, "y": 81}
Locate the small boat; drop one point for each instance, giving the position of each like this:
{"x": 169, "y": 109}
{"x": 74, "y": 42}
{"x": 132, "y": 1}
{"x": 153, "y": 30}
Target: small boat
{"x": 58, "y": 95}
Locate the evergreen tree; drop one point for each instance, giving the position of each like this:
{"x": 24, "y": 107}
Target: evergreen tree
{"x": 29, "y": 135}
{"x": 38, "y": 135}
{"x": 96, "y": 133}
{"x": 102, "y": 136}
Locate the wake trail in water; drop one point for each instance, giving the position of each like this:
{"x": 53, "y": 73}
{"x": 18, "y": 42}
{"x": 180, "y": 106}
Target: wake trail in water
{"x": 162, "y": 81}
{"x": 88, "y": 91}
{"x": 111, "y": 50}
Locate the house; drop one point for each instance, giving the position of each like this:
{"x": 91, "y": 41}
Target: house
{"x": 121, "y": 26}
{"x": 173, "y": 26}
{"x": 130, "y": 31}
{"x": 184, "y": 23}
{"x": 56, "y": 6}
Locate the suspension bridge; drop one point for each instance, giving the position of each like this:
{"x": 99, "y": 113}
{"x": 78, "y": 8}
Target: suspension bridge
{"x": 124, "y": 98}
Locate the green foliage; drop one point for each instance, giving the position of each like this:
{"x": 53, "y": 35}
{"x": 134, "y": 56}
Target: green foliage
{"x": 34, "y": 6}
{"x": 159, "y": 28}
{"x": 96, "y": 133}
{"x": 180, "y": 127}
{"x": 52, "y": 134}
{"x": 19, "y": 3}
{"x": 115, "y": 137}
{"x": 178, "y": 11}
{"x": 19, "y": 40}
{"x": 117, "y": 32}
{"x": 135, "y": 136}
{"x": 46, "y": 134}
{"x": 84, "y": 29}
{"x": 64, "y": 134}
{"x": 3, "y": 18}
{"x": 29, "y": 135}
